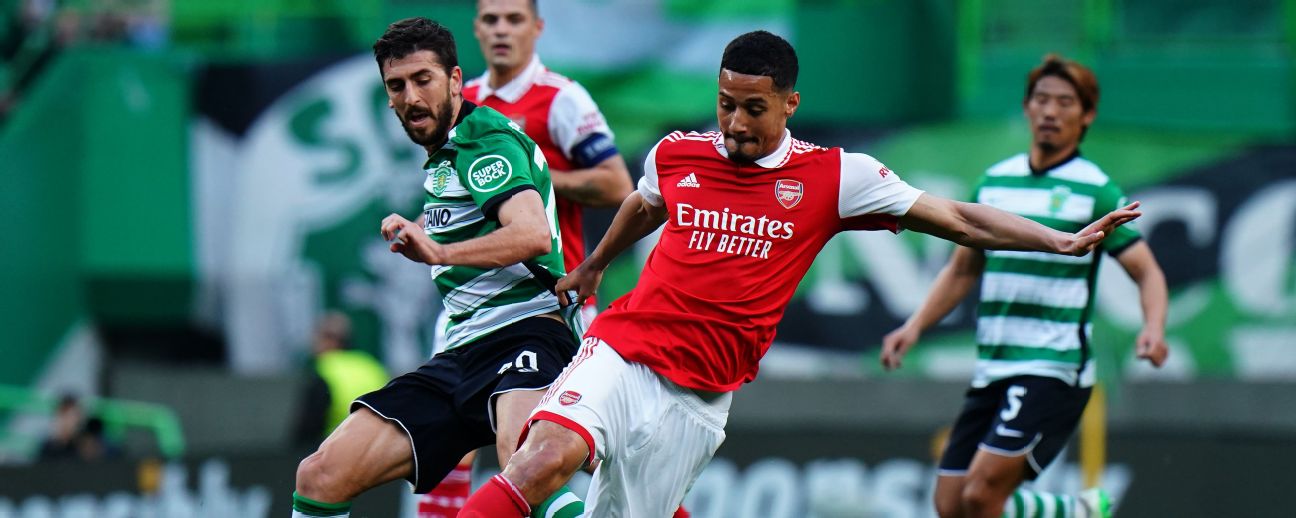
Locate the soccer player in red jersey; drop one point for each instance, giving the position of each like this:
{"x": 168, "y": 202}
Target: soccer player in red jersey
{"x": 746, "y": 210}
{"x": 556, "y": 112}
{"x": 585, "y": 166}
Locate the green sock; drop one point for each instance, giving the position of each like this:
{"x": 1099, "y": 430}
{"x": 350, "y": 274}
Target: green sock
{"x": 562, "y": 504}
{"x": 1030, "y": 504}
{"x": 306, "y": 508}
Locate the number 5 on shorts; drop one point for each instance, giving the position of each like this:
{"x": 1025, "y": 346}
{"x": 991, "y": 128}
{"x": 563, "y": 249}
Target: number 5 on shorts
{"x": 1015, "y": 393}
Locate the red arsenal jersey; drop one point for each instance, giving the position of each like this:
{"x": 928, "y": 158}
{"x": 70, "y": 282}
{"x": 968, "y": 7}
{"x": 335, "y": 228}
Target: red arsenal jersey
{"x": 561, "y": 117}
{"x": 738, "y": 239}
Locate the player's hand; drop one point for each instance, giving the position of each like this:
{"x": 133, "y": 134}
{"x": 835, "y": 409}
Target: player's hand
{"x": 895, "y": 344}
{"x": 582, "y": 281}
{"x": 408, "y": 239}
{"x": 1151, "y": 346}
{"x": 1087, "y": 239}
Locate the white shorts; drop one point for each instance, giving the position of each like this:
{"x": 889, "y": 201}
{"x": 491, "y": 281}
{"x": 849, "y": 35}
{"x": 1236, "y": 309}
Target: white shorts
{"x": 653, "y": 437}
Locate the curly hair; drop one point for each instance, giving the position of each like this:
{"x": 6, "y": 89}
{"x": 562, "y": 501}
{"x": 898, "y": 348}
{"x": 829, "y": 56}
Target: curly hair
{"x": 762, "y": 53}
{"x": 411, "y": 35}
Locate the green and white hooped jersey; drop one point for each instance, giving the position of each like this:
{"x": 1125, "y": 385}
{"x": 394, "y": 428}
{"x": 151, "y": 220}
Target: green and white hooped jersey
{"x": 486, "y": 160}
{"x": 1035, "y": 307}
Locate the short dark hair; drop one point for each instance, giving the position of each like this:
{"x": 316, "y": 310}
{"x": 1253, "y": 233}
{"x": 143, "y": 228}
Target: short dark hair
{"x": 411, "y": 35}
{"x": 762, "y": 53}
{"x": 1080, "y": 77}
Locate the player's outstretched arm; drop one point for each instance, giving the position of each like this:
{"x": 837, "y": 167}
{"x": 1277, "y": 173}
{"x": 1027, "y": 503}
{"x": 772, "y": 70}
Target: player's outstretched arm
{"x": 982, "y": 226}
{"x": 636, "y": 219}
{"x": 523, "y": 234}
{"x": 605, "y": 185}
{"x": 953, "y": 283}
{"x": 1142, "y": 267}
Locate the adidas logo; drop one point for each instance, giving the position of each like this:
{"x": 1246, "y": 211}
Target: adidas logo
{"x": 689, "y": 181}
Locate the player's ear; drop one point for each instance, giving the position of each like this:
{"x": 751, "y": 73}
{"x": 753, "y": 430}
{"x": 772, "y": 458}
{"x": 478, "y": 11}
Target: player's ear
{"x": 793, "y": 101}
{"x": 456, "y": 81}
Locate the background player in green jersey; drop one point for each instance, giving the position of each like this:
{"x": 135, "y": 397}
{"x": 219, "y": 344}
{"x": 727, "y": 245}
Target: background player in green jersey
{"x": 490, "y": 234}
{"x": 1034, "y": 369}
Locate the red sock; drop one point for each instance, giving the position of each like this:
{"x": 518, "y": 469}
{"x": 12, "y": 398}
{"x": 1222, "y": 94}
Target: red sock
{"x": 445, "y": 500}
{"x": 498, "y": 498}
{"x": 681, "y": 513}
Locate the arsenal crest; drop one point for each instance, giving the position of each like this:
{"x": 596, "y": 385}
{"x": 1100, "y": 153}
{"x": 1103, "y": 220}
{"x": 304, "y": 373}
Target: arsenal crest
{"x": 788, "y": 192}
{"x": 569, "y": 397}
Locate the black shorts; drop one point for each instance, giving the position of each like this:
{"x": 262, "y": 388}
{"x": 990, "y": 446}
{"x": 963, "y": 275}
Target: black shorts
{"x": 1025, "y": 415}
{"x": 447, "y": 405}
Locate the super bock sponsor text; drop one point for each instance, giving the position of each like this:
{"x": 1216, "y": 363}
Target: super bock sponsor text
{"x": 491, "y": 176}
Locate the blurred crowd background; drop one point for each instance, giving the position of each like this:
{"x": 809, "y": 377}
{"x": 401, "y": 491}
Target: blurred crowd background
{"x": 190, "y": 192}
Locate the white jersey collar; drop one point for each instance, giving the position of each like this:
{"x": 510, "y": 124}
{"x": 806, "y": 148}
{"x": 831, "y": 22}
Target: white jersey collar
{"x": 512, "y": 91}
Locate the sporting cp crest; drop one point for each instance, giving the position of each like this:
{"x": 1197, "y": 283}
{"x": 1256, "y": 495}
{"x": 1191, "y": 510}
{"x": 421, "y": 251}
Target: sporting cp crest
{"x": 441, "y": 177}
{"x": 788, "y": 192}
{"x": 1058, "y": 198}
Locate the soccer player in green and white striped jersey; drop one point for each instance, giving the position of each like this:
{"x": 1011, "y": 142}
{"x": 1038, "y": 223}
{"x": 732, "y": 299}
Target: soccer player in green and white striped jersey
{"x": 490, "y": 234}
{"x": 1035, "y": 368}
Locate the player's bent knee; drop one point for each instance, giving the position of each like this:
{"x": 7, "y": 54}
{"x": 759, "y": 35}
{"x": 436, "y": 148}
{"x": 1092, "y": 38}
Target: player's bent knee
{"x": 949, "y": 507}
{"x": 979, "y": 497}
{"x": 312, "y": 477}
{"x": 319, "y": 481}
{"x": 538, "y": 474}
{"x": 550, "y": 455}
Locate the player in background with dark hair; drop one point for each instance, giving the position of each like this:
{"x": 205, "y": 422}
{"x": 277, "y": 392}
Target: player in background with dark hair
{"x": 584, "y": 164}
{"x": 490, "y": 235}
{"x": 746, "y": 209}
{"x": 1035, "y": 368}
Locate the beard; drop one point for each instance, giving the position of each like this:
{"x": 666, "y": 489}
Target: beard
{"x": 1047, "y": 146}
{"x": 440, "y": 123}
